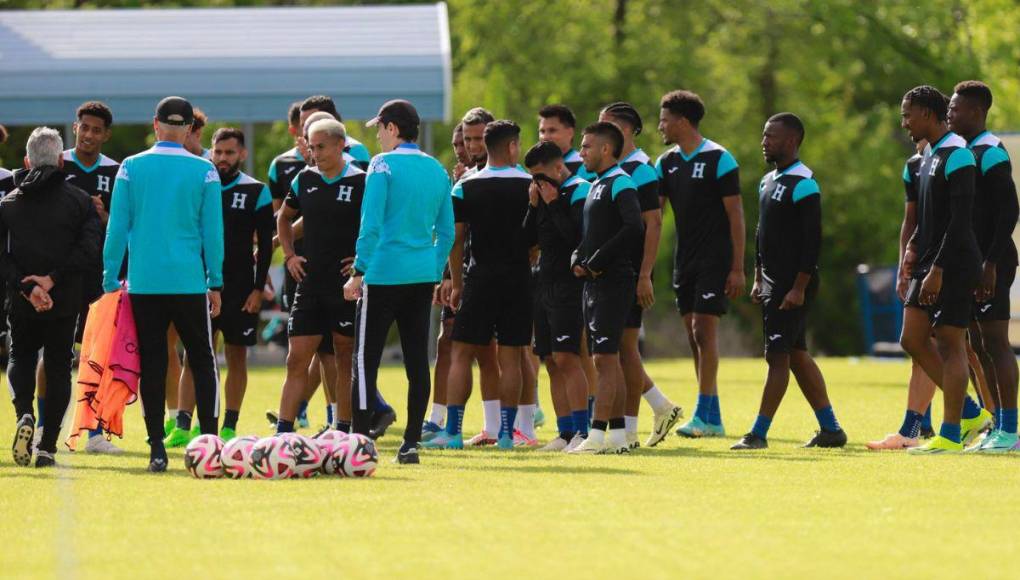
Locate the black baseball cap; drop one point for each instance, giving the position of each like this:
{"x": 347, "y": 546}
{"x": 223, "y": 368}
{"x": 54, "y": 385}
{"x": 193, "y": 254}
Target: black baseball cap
{"x": 396, "y": 111}
{"x": 175, "y": 111}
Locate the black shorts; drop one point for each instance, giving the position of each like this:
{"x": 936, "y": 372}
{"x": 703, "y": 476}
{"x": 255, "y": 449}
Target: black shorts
{"x": 607, "y": 302}
{"x": 702, "y": 290}
{"x": 785, "y": 330}
{"x": 998, "y": 307}
{"x": 322, "y": 314}
{"x": 447, "y": 313}
{"x": 498, "y": 306}
{"x": 955, "y": 303}
{"x": 239, "y": 328}
{"x": 559, "y": 320}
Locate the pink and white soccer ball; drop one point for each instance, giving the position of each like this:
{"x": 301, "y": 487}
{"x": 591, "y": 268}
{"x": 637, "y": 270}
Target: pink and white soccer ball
{"x": 328, "y": 443}
{"x": 306, "y": 454}
{"x": 271, "y": 458}
{"x": 355, "y": 457}
{"x": 202, "y": 457}
{"x": 236, "y": 456}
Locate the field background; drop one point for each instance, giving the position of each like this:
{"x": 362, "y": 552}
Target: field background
{"x": 684, "y": 509}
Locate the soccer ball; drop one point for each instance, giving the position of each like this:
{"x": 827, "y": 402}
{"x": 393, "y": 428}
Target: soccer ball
{"x": 355, "y": 457}
{"x": 236, "y": 456}
{"x": 271, "y": 458}
{"x": 328, "y": 443}
{"x": 202, "y": 457}
{"x": 307, "y": 457}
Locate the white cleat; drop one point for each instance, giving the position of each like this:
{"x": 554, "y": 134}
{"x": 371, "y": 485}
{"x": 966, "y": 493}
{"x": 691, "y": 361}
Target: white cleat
{"x": 557, "y": 444}
{"x": 632, "y": 441}
{"x": 574, "y": 443}
{"x": 616, "y": 443}
{"x": 588, "y": 447}
{"x": 662, "y": 424}
{"x": 99, "y": 444}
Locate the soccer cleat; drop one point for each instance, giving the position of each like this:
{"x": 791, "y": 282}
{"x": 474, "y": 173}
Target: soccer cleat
{"x": 429, "y": 430}
{"x": 22, "y": 446}
{"x": 893, "y": 441}
{"x": 827, "y": 439}
{"x": 407, "y": 457}
{"x": 574, "y": 443}
{"x": 226, "y": 433}
{"x": 661, "y": 425}
{"x": 168, "y": 426}
{"x": 632, "y": 441}
{"x": 444, "y": 440}
{"x": 481, "y": 440}
{"x": 587, "y": 447}
{"x": 539, "y": 417}
{"x": 696, "y": 428}
{"x": 177, "y": 438}
{"x": 272, "y": 417}
{"x": 381, "y": 422}
{"x": 927, "y": 433}
{"x": 750, "y": 441}
{"x": 971, "y": 428}
{"x": 557, "y": 444}
{"x": 157, "y": 465}
{"x": 44, "y": 459}
{"x": 505, "y": 442}
{"x": 522, "y": 440}
{"x": 100, "y": 444}
{"x": 302, "y": 419}
{"x": 938, "y": 444}
{"x": 196, "y": 430}
{"x": 996, "y": 442}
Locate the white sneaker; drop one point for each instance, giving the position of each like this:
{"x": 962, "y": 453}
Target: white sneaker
{"x": 588, "y": 447}
{"x": 36, "y": 439}
{"x": 662, "y": 424}
{"x": 557, "y": 444}
{"x": 574, "y": 443}
{"x": 99, "y": 444}
{"x": 632, "y": 441}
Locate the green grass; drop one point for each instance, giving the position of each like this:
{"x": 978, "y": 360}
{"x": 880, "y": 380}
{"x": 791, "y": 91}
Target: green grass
{"x": 685, "y": 508}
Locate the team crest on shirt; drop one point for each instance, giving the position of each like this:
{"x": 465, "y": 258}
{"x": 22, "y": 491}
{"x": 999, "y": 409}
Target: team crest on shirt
{"x": 379, "y": 165}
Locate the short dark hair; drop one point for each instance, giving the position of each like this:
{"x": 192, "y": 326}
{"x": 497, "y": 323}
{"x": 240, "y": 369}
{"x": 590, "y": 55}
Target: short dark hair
{"x": 224, "y": 133}
{"x": 790, "y": 121}
{"x": 200, "y": 119}
{"x": 294, "y": 114}
{"x": 499, "y": 133}
{"x": 542, "y": 153}
{"x": 561, "y": 112}
{"x": 976, "y": 91}
{"x": 684, "y": 104}
{"x": 607, "y": 130}
{"x": 321, "y": 103}
{"x": 928, "y": 97}
{"x": 476, "y": 116}
{"x": 96, "y": 109}
{"x": 625, "y": 112}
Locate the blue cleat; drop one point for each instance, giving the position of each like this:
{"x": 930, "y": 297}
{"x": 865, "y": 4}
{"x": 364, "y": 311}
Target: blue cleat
{"x": 505, "y": 442}
{"x": 429, "y": 430}
{"x": 697, "y": 428}
{"x": 444, "y": 440}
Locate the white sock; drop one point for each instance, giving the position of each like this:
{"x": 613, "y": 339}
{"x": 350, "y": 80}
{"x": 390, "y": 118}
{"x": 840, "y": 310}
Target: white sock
{"x": 630, "y": 424}
{"x": 617, "y": 438}
{"x": 658, "y": 401}
{"x": 438, "y": 414}
{"x": 597, "y": 436}
{"x": 332, "y": 410}
{"x": 526, "y": 420}
{"x": 491, "y": 419}
{"x": 172, "y": 414}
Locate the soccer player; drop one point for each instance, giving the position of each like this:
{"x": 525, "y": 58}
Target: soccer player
{"x": 557, "y": 124}
{"x": 406, "y": 234}
{"x": 636, "y": 163}
{"x": 556, "y": 213}
{"x": 493, "y": 297}
{"x": 789, "y": 241}
{"x": 605, "y": 259}
{"x": 193, "y": 144}
{"x": 329, "y": 197}
{"x": 995, "y": 216}
{"x": 700, "y": 179}
{"x": 285, "y": 166}
{"x": 354, "y": 151}
{"x": 166, "y": 214}
{"x": 247, "y": 215}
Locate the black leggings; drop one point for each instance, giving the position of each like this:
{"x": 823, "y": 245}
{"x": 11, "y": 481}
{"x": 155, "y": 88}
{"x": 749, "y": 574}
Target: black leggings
{"x": 410, "y": 306}
{"x": 189, "y": 313}
{"x": 56, "y": 337}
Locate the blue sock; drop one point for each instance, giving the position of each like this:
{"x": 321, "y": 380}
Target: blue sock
{"x": 926, "y": 419}
{"x": 329, "y": 414}
{"x": 581, "y": 422}
{"x": 284, "y": 426}
{"x": 343, "y": 426}
{"x": 40, "y": 404}
{"x": 303, "y": 409}
{"x": 507, "y": 415}
{"x": 704, "y": 407}
{"x": 591, "y": 408}
{"x": 94, "y": 432}
{"x": 380, "y": 403}
{"x": 714, "y": 414}
{"x": 454, "y": 419}
{"x": 911, "y": 424}
{"x": 565, "y": 427}
{"x": 761, "y": 426}
{"x": 1008, "y": 423}
{"x": 970, "y": 408}
{"x": 950, "y": 431}
{"x": 827, "y": 419}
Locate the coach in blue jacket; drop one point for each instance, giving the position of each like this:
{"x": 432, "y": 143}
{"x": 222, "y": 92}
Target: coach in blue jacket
{"x": 167, "y": 215}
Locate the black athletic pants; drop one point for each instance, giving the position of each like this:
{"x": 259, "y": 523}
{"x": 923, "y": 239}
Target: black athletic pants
{"x": 189, "y": 313}
{"x": 410, "y": 306}
{"x": 56, "y": 337}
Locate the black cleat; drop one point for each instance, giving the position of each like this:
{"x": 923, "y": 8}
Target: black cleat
{"x": 22, "y": 446}
{"x": 750, "y": 441}
{"x": 44, "y": 459}
{"x": 407, "y": 456}
{"x": 827, "y": 439}
{"x": 926, "y": 433}
{"x": 157, "y": 465}
{"x": 381, "y": 422}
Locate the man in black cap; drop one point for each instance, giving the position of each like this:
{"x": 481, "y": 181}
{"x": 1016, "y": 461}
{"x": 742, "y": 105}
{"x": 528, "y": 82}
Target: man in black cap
{"x": 167, "y": 215}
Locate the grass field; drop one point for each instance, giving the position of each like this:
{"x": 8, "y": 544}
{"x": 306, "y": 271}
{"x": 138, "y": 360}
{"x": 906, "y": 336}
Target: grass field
{"x": 684, "y": 509}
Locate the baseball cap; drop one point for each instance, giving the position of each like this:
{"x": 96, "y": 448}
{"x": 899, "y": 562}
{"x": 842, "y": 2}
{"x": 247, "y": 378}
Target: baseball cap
{"x": 396, "y": 111}
{"x": 175, "y": 111}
